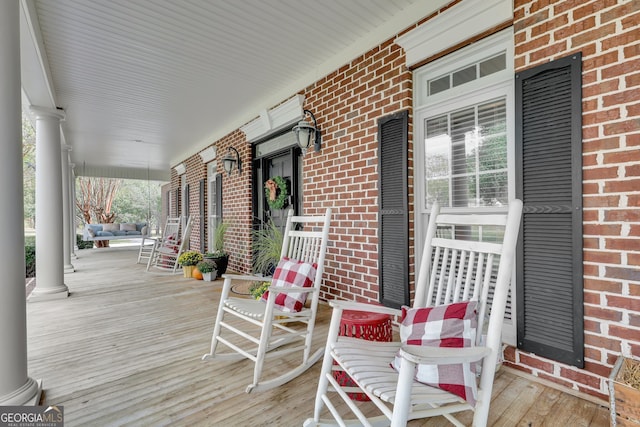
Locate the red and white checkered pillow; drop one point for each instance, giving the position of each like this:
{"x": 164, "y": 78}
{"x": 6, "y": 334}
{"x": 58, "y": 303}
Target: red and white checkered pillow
{"x": 290, "y": 273}
{"x": 452, "y": 325}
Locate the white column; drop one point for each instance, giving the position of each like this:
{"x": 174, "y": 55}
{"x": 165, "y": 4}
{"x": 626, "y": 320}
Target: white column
{"x": 72, "y": 209}
{"x": 16, "y": 387}
{"x": 49, "y": 207}
{"x": 66, "y": 212}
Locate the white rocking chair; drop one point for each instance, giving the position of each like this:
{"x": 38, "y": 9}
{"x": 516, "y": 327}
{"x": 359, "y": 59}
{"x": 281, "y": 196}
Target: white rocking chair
{"x": 171, "y": 226}
{"x": 459, "y": 264}
{"x": 165, "y": 253}
{"x": 280, "y": 331}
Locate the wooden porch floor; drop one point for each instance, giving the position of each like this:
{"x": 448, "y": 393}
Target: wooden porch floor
{"x": 124, "y": 350}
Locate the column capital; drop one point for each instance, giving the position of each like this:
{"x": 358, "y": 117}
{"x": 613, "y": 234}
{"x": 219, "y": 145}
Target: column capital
{"x": 47, "y": 112}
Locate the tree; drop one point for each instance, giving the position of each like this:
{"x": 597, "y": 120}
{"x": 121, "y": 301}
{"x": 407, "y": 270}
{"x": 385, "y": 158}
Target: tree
{"x": 94, "y": 200}
{"x": 29, "y": 170}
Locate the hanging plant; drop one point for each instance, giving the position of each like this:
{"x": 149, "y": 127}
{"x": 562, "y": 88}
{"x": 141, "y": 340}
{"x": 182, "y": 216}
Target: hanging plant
{"x": 277, "y": 192}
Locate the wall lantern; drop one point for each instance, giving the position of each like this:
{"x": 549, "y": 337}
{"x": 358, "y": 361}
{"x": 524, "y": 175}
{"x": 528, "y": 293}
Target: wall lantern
{"x": 306, "y": 133}
{"x": 230, "y": 160}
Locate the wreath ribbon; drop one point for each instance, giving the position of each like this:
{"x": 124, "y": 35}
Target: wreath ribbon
{"x": 276, "y": 187}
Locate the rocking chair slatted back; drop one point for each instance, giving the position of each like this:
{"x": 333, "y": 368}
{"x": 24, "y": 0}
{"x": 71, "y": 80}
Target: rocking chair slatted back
{"x": 462, "y": 262}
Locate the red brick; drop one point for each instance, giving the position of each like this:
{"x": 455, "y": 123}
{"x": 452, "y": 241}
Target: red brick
{"x": 593, "y": 35}
{"x": 627, "y": 303}
{"x": 633, "y": 259}
{"x": 623, "y": 332}
{"x": 599, "y": 61}
{"x": 598, "y": 369}
{"x": 549, "y": 51}
{"x": 601, "y": 342}
{"x": 581, "y": 377}
{"x": 565, "y": 6}
{"x": 602, "y": 285}
{"x": 531, "y": 20}
{"x": 621, "y": 156}
{"x": 536, "y": 363}
{"x": 592, "y": 353}
{"x": 602, "y": 115}
{"x": 532, "y": 44}
{"x": 601, "y": 257}
{"x": 633, "y": 140}
{"x": 600, "y": 173}
{"x": 625, "y": 8}
{"x": 592, "y": 326}
{"x": 632, "y": 80}
{"x": 556, "y": 380}
{"x": 623, "y": 244}
{"x": 575, "y": 28}
{"x": 626, "y": 67}
{"x": 602, "y": 313}
{"x": 600, "y": 202}
{"x": 621, "y": 39}
{"x": 592, "y": 8}
{"x": 622, "y": 215}
{"x": 600, "y": 88}
{"x": 633, "y": 110}
{"x": 621, "y": 186}
{"x": 630, "y": 51}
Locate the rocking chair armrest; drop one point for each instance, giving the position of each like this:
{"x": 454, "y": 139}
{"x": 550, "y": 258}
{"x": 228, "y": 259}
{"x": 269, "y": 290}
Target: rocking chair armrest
{"x": 443, "y": 355}
{"x": 246, "y": 277}
{"x": 360, "y": 306}
{"x": 279, "y": 290}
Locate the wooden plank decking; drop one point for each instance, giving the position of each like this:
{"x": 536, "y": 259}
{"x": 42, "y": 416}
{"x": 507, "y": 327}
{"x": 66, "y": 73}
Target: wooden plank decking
{"x": 124, "y": 350}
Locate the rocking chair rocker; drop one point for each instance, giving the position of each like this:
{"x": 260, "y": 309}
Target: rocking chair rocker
{"x": 461, "y": 288}
{"x": 284, "y": 324}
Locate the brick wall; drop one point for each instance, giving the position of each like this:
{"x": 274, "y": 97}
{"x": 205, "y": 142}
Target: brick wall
{"x": 348, "y": 103}
{"x": 236, "y": 196}
{"x": 607, "y": 34}
{"x": 344, "y": 175}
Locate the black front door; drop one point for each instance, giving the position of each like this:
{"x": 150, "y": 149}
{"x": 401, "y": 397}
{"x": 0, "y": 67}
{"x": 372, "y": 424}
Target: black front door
{"x": 277, "y": 157}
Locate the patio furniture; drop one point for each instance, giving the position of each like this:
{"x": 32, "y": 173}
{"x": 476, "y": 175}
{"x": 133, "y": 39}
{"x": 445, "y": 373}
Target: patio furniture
{"x": 164, "y": 255}
{"x": 171, "y": 226}
{"x": 285, "y": 323}
{"x": 461, "y": 288}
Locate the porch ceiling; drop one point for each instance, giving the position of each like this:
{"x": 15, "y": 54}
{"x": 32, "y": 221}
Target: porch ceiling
{"x": 145, "y": 83}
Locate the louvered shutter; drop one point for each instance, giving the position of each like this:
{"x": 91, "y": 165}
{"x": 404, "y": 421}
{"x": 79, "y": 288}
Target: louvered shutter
{"x": 549, "y": 182}
{"x": 393, "y": 232}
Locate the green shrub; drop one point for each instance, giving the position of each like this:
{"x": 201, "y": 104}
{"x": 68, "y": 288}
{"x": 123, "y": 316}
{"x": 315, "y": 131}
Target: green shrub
{"x": 83, "y": 244}
{"x": 30, "y": 260}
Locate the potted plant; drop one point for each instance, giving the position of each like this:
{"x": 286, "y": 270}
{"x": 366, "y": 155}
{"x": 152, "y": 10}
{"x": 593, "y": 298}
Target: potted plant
{"x": 209, "y": 269}
{"x": 219, "y": 254}
{"x": 188, "y": 260}
{"x": 267, "y": 246}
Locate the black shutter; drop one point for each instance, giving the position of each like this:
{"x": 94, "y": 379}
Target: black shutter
{"x": 202, "y": 216}
{"x": 393, "y": 232}
{"x": 549, "y": 182}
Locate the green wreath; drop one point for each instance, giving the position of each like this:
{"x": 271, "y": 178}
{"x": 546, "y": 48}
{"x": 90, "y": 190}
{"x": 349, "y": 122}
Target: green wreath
{"x": 276, "y": 192}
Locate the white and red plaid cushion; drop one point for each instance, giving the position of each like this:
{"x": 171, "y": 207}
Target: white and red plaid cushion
{"x": 289, "y": 273}
{"x": 452, "y": 325}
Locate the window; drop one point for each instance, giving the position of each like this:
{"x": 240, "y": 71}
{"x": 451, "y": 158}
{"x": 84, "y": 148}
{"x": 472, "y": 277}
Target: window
{"x": 465, "y": 158}
{"x": 464, "y": 137}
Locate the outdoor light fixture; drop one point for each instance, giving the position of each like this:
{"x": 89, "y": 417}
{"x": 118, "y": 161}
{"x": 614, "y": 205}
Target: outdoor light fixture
{"x": 229, "y": 160}
{"x": 306, "y": 133}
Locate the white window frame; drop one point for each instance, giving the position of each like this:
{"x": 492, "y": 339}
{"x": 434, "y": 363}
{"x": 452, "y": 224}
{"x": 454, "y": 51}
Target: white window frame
{"x": 497, "y": 85}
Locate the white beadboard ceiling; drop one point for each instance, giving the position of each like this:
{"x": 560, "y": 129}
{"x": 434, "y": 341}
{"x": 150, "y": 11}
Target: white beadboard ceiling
{"x": 146, "y": 83}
